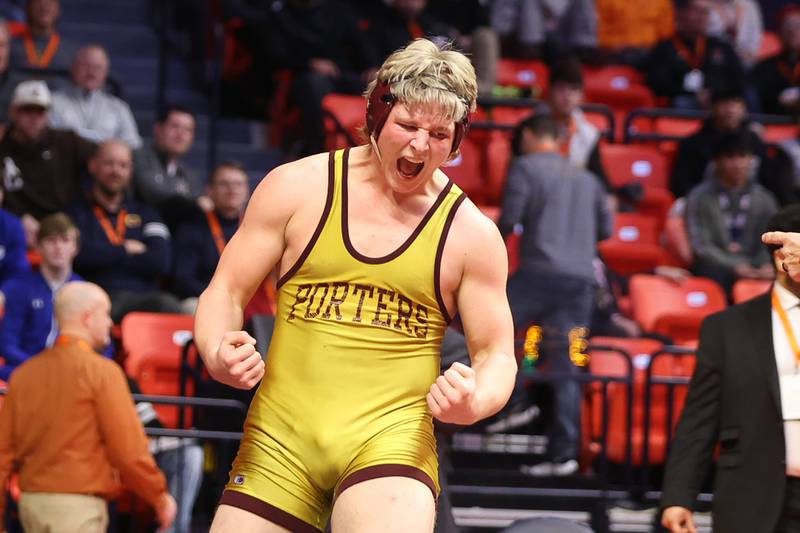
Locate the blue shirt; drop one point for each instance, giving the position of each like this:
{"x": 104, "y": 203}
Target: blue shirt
{"x": 13, "y": 256}
{"x": 28, "y": 326}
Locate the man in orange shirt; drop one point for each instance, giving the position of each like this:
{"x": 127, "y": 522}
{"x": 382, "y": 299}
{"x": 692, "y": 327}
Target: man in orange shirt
{"x": 627, "y": 30}
{"x": 69, "y": 426}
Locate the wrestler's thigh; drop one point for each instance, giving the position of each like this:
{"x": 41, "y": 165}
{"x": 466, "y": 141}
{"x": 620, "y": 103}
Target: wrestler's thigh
{"x": 386, "y": 504}
{"x": 230, "y": 519}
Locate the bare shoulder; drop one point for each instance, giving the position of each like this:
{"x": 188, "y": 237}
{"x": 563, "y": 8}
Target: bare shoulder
{"x": 296, "y": 177}
{"x": 289, "y": 187}
{"x": 474, "y": 248}
{"x": 475, "y": 233}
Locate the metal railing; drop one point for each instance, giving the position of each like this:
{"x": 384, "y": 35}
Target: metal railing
{"x": 630, "y": 133}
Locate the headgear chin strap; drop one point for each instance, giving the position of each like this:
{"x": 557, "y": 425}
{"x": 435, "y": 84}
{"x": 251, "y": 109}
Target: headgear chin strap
{"x": 380, "y": 103}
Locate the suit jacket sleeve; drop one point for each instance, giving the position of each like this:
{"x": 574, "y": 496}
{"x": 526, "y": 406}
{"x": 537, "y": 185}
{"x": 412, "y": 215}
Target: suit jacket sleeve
{"x": 698, "y": 427}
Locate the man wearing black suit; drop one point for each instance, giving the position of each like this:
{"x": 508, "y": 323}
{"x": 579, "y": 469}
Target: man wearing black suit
{"x": 739, "y": 397}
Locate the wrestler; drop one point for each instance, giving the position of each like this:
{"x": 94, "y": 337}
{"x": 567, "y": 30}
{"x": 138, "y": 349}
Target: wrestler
{"x": 376, "y": 250}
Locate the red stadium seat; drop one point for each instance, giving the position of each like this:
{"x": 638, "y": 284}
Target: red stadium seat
{"x": 770, "y": 45}
{"x": 153, "y": 343}
{"x": 633, "y": 247}
{"x": 619, "y": 87}
{"x": 747, "y": 289}
{"x": 498, "y": 159}
{"x": 467, "y": 170}
{"x": 605, "y": 360}
{"x": 674, "y": 310}
{"x": 627, "y": 163}
{"x": 775, "y": 133}
{"x": 343, "y": 112}
{"x": 633, "y": 163}
{"x": 533, "y": 75}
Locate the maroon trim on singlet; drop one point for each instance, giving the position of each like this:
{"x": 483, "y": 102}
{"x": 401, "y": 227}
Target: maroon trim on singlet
{"x": 266, "y": 511}
{"x": 437, "y": 269}
{"x": 325, "y": 212}
{"x": 389, "y": 470}
{"x": 403, "y": 247}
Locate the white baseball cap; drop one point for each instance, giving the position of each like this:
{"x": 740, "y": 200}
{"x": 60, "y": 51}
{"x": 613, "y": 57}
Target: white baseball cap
{"x": 33, "y": 92}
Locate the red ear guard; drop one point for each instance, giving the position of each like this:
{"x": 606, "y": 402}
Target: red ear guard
{"x": 380, "y": 103}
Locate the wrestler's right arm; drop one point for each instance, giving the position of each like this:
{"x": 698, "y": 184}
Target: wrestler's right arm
{"x": 228, "y": 352}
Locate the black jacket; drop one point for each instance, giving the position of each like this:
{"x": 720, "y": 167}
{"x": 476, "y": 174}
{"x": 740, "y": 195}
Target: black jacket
{"x": 695, "y": 153}
{"x": 733, "y": 400}
{"x": 666, "y": 68}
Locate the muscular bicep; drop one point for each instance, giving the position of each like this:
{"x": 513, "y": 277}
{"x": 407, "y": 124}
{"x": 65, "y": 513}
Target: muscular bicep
{"x": 258, "y": 244}
{"x": 482, "y": 301}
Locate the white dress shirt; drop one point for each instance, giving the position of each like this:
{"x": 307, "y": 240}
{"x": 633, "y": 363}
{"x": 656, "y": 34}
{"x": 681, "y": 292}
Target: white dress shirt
{"x": 787, "y": 364}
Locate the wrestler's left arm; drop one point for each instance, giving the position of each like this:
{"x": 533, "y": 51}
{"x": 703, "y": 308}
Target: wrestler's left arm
{"x": 463, "y": 395}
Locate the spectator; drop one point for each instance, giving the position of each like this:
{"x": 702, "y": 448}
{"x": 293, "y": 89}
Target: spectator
{"x": 39, "y": 45}
{"x": 687, "y": 66}
{"x": 13, "y": 256}
{"x": 87, "y": 108}
{"x": 125, "y": 247}
{"x": 161, "y": 179}
{"x": 29, "y": 325}
{"x": 525, "y": 27}
{"x": 578, "y": 139}
{"x": 181, "y": 460}
{"x": 626, "y": 31}
{"x": 782, "y": 176}
{"x": 199, "y": 242}
{"x": 728, "y": 115}
{"x": 555, "y": 283}
{"x": 777, "y": 78}
{"x": 41, "y": 167}
{"x": 8, "y": 79}
{"x": 68, "y": 423}
{"x": 739, "y": 409}
{"x": 739, "y": 22}
{"x": 465, "y": 23}
{"x": 726, "y": 216}
{"x": 325, "y": 58}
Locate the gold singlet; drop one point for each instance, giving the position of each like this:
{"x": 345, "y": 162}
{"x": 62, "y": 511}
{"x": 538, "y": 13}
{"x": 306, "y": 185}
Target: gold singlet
{"x": 353, "y": 355}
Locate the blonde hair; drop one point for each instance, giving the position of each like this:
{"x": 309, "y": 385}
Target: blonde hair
{"x": 423, "y": 73}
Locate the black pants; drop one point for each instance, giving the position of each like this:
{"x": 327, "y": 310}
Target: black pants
{"x": 790, "y": 517}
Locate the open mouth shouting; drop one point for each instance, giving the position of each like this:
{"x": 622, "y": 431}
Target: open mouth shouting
{"x": 408, "y": 168}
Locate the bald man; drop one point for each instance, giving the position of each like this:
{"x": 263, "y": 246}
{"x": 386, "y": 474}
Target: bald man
{"x": 69, "y": 421}
{"x": 87, "y": 108}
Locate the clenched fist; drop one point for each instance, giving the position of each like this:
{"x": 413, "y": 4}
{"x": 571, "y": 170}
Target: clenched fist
{"x": 678, "y": 520}
{"x": 452, "y": 396}
{"x": 237, "y": 363}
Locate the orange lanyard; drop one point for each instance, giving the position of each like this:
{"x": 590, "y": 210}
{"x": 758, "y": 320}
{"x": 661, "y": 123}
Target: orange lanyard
{"x": 564, "y": 142}
{"x": 693, "y": 57}
{"x": 116, "y": 236}
{"x": 787, "y": 326}
{"x": 64, "y": 340}
{"x": 41, "y": 61}
{"x": 216, "y": 231}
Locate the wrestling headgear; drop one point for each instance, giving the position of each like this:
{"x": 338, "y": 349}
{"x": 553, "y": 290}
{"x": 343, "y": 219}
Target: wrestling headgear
{"x": 380, "y": 103}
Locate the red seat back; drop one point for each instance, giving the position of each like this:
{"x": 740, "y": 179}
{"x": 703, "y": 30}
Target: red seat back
{"x": 672, "y": 309}
{"x": 153, "y": 344}
{"x": 747, "y": 289}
